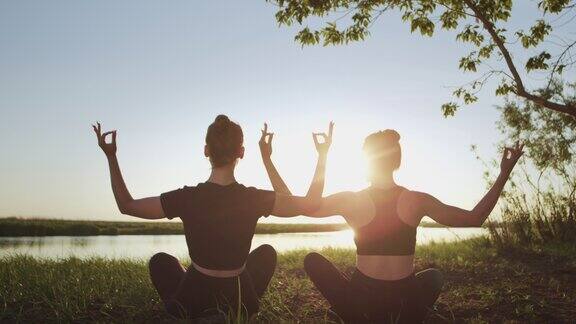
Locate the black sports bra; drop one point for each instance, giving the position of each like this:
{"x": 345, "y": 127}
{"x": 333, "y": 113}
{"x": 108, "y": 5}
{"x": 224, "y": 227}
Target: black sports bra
{"x": 386, "y": 234}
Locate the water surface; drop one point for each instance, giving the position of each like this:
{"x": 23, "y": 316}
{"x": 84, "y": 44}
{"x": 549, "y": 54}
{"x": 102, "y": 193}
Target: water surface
{"x": 144, "y": 246}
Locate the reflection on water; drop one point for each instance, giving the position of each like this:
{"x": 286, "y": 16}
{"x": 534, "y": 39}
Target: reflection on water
{"x": 144, "y": 246}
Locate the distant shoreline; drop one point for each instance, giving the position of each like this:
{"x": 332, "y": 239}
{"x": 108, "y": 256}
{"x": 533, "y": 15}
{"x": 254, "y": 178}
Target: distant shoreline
{"x": 18, "y": 227}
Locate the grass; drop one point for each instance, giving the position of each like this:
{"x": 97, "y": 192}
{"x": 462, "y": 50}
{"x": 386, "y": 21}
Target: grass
{"x": 531, "y": 284}
{"x": 12, "y": 226}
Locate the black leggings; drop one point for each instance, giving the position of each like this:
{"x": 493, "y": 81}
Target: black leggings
{"x": 191, "y": 294}
{"x": 361, "y": 299}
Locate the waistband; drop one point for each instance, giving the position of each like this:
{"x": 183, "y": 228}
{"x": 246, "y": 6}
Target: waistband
{"x": 218, "y": 273}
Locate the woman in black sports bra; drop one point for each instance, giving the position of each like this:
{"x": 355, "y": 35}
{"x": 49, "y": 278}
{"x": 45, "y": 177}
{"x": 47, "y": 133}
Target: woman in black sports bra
{"x": 385, "y": 217}
{"x": 219, "y": 218}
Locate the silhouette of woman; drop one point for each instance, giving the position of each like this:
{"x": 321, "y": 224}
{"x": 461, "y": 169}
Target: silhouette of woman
{"x": 385, "y": 217}
{"x": 219, "y": 218}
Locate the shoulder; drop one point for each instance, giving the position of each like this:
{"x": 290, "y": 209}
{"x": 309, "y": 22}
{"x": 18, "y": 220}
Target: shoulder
{"x": 252, "y": 189}
{"x": 183, "y": 190}
{"x": 357, "y": 207}
{"x": 256, "y": 193}
{"x": 412, "y": 204}
{"x": 412, "y": 197}
{"x": 346, "y": 195}
{"x": 348, "y": 198}
{"x": 353, "y": 202}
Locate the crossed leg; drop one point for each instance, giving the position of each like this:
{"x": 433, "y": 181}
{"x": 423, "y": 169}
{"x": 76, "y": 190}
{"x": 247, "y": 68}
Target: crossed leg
{"x": 431, "y": 281}
{"x": 260, "y": 265}
{"x": 332, "y": 284}
{"x": 166, "y": 273}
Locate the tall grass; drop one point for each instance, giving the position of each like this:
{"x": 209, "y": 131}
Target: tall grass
{"x": 554, "y": 219}
{"x": 533, "y": 214}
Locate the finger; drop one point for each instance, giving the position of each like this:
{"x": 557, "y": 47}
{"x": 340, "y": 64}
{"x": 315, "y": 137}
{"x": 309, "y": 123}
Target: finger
{"x": 263, "y": 136}
{"x": 265, "y": 127}
{"x": 106, "y": 134}
{"x": 98, "y": 137}
{"x": 505, "y": 153}
{"x": 114, "y": 137}
{"x": 508, "y": 153}
{"x": 323, "y": 136}
{"x": 99, "y": 128}
{"x": 270, "y": 137}
{"x": 330, "y": 129}
{"x": 519, "y": 152}
{"x": 315, "y": 139}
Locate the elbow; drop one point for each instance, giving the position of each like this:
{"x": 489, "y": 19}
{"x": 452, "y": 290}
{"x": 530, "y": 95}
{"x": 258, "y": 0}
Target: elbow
{"x": 126, "y": 207}
{"x": 477, "y": 224}
{"x": 476, "y": 220}
{"x": 125, "y": 210}
{"x": 312, "y": 206}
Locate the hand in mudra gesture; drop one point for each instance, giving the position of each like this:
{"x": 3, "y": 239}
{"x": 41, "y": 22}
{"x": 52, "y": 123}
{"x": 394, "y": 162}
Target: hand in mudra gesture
{"x": 510, "y": 157}
{"x": 108, "y": 148}
{"x": 322, "y": 147}
{"x": 265, "y": 142}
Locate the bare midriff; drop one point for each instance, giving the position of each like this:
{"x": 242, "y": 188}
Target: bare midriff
{"x": 385, "y": 267}
{"x": 218, "y": 273}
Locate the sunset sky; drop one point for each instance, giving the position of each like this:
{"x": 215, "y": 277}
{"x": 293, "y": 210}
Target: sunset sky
{"x": 159, "y": 72}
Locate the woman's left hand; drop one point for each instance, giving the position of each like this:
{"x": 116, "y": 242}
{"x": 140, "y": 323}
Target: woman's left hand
{"x": 322, "y": 148}
{"x": 510, "y": 157}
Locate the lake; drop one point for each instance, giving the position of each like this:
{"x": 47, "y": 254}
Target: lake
{"x": 144, "y": 246}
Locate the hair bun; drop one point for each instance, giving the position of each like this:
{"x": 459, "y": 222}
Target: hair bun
{"x": 222, "y": 118}
{"x": 391, "y": 135}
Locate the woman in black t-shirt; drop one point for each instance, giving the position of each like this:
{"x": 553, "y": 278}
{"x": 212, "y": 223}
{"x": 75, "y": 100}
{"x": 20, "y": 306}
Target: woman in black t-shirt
{"x": 219, "y": 218}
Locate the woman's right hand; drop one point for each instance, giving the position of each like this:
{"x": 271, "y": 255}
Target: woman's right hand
{"x": 322, "y": 148}
{"x": 510, "y": 157}
{"x": 108, "y": 148}
{"x": 265, "y": 142}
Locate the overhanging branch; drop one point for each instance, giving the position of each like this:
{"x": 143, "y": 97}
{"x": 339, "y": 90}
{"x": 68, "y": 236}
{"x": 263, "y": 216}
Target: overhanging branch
{"x": 520, "y": 89}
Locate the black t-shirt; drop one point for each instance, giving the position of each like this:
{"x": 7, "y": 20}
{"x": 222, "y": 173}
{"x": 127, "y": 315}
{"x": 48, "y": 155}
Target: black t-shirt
{"x": 219, "y": 221}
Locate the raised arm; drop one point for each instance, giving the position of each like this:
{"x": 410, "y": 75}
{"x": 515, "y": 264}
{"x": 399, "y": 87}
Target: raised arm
{"x": 289, "y": 206}
{"x": 458, "y": 217}
{"x": 265, "y": 144}
{"x": 147, "y": 208}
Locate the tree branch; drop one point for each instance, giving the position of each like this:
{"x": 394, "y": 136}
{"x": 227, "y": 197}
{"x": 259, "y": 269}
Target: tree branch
{"x": 558, "y": 61}
{"x": 520, "y": 90}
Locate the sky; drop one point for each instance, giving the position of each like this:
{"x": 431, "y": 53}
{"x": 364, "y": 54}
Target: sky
{"x": 160, "y": 72}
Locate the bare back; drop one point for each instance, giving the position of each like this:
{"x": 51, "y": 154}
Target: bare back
{"x": 385, "y": 231}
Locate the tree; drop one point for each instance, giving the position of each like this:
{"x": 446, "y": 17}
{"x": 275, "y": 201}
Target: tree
{"x": 540, "y": 204}
{"x": 477, "y": 22}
